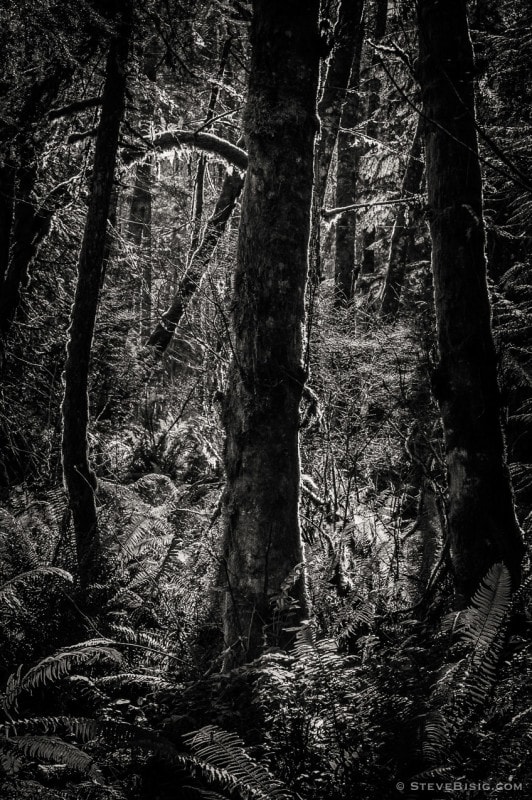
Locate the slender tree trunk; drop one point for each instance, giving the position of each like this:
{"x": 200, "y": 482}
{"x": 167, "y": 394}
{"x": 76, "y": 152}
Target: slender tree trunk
{"x": 378, "y": 14}
{"x": 79, "y": 479}
{"x": 348, "y": 160}
{"x": 140, "y": 210}
{"x": 7, "y": 201}
{"x": 403, "y": 229}
{"x": 139, "y": 235}
{"x": 263, "y": 551}
{"x": 345, "y": 41}
{"x": 202, "y": 161}
{"x": 229, "y": 193}
{"x": 330, "y": 105}
{"x": 482, "y": 523}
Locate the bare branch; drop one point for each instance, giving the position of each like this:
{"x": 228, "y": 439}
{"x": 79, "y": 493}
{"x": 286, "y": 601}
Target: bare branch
{"x": 330, "y": 213}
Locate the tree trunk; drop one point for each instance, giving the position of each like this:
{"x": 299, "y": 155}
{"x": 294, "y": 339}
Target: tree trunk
{"x": 139, "y": 235}
{"x": 378, "y": 15}
{"x": 24, "y": 224}
{"x": 230, "y": 191}
{"x": 263, "y": 551}
{"x": 345, "y": 42}
{"x": 7, "y": 200}
{"x": 403, "y": 230}
{"x": 348, "y": 159}
{"x": 202, "y": 161}
{"x": 331, "y": 102}
{"x": 482, "y": 523}
{"x": 79, "y": 479}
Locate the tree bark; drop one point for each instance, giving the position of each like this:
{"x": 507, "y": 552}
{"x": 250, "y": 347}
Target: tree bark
{"x": 403, "y": 230}
{"x": 79, "y": 478}
{"x": 229, "y": 194}
{"x": 263, "y": 551}
{"x": 482, "y": 523}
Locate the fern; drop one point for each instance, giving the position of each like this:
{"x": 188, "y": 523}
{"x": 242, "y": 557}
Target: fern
{"x": 49, "y": 748}
{"x": 222, "y": 757}
{"x": 465, "y": 685}
{"x": 8, "y": 590}
{"x": 53, "y": 668}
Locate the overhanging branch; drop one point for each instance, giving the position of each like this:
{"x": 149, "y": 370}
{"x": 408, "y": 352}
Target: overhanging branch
{"x": 330, "y": 213}
{"x": 207, "y": 142}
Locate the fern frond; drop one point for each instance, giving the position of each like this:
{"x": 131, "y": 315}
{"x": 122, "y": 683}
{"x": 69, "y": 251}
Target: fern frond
{"x": 131, "y": 680}
{"x": 222, "y": 756}
{"x": 53, "y": 668}
{"x": 55, "y": 750}
{"x": 27, "y": 577}
{"x": 465, "y": 685}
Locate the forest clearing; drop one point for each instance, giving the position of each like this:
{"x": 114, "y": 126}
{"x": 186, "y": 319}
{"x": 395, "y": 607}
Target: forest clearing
{"x": 265, "y": 399}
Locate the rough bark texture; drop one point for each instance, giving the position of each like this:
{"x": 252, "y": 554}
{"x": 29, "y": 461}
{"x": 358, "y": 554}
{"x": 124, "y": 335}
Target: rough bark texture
{"x": 229, "y": 193}
{"x": 263, "y": 547}
{"x": 482, "y": 524}
{"x": 348, "y": 159}
{"x": 403, "y": 229}
{"x": 79, "y": 478}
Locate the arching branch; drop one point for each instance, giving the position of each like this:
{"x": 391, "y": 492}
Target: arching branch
{"x": 207, "y": 142}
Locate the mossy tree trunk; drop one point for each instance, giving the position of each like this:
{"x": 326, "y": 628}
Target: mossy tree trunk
{"x": 263, "y": 551}
{"x": 482, "y": 523}
{"x": 79, "y": 479}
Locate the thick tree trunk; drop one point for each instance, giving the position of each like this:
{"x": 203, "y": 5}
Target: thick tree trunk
{"x": 263, "y": 551}
{"x": 403, "y": 229}
{"x": 229, "y": 193}
{"x": 348, "y": 160}
{"x": 482, "y": 523}
{"x": 79, "y": 478}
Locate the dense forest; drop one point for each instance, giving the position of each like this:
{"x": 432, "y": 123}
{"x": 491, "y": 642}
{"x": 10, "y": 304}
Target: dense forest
{"x": 265, "y": 399}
